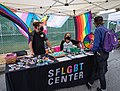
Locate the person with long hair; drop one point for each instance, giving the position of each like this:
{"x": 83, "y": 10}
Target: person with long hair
{"x": 67, "y": 37}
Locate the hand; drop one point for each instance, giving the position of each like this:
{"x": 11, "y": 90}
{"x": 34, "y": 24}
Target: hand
{"x": 32, "y": 53}
{"x": 52, "y": 50}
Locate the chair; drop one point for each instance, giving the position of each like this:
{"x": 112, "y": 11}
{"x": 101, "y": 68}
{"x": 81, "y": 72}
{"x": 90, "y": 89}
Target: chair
{"x": 56, "y": 48}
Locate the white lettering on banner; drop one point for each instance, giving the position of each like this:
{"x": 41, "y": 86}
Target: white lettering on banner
{"x": 70, "y": 77}
{"x": 51, "y": 74}
{"x": 76, "y": 76}
{"x": 50, "y": 81}
{"x": 63, "y": 78}
{"x": 65, "y": 74}
{"x": 80, "y": 75}
{"x": 57, "y": 80}
{"x": 57, "y": 71}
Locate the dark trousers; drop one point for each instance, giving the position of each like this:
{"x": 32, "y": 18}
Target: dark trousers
{"x": 100, "y": 67}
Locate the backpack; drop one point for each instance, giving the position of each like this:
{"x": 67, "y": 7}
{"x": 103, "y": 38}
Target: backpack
{"x": 110, "y": 41}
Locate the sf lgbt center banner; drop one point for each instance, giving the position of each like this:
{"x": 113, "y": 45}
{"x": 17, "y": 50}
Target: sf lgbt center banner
{"x": 50, "y": 77}
{"x": 65, "y": 74}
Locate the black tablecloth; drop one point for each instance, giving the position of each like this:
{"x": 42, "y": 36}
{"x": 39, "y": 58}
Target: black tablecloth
{"x": 50, "y": 77}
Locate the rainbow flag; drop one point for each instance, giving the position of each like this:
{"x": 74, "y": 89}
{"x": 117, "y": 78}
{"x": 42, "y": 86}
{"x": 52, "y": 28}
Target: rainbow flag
{"x": 83, "y": 25}
{"x": 6, "y": 12}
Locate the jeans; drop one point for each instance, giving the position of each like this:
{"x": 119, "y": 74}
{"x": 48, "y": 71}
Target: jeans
{"x": 100, "y": 64}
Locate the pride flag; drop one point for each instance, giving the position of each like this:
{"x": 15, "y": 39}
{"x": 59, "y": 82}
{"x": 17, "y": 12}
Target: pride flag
{"x": 22, "y": 20}
{"x": 27, "y": 19}
{"x": 83, "y": 25}
{"x": 6, "y": 12}
{"x": 44, "y": 20}
{"x": 56, "y": 21}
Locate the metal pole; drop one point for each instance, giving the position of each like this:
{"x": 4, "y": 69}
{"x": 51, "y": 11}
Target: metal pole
{"x": 67, "y": 25}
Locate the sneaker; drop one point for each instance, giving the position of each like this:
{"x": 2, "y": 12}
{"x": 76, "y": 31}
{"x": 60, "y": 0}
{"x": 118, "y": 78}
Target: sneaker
{"x": 98, "y": 89}
{"x": 88, "y": 85}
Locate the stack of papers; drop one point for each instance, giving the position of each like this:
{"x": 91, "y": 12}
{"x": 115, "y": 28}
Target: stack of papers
{"x": 63, "y": 59}
{"x": 89, "y": 53}
{"x": 77, "y": 56}
{"x": 70, "y": 57}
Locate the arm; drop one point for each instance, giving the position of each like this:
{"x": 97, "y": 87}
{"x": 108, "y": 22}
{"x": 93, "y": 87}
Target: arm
{"x": 31, "y": 49}
{"x": 49, "y": 45}
{"x": 30, "y": 43}
{"x": 75, "y": 42}
{"x": 61, "y": 45}
{"x": 96, "y": 43}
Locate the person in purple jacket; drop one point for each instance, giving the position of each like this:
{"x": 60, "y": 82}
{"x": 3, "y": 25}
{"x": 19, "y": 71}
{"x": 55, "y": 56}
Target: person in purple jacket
{"x": 100, "y": 56}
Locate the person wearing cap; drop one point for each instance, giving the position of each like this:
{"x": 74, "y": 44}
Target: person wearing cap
{"x": 37, "y": 38}
{"x": 100, "y": 56}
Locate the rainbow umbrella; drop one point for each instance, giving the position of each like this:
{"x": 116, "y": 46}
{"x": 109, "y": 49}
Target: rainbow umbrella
{"x": 88, "y": 40}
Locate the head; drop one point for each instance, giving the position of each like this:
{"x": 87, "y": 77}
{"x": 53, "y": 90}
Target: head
{"x": 67, "y": 36}
{"x": 98, "y": 20}
{"x": 38, "y": 26}
{"x": 67, "y": 40}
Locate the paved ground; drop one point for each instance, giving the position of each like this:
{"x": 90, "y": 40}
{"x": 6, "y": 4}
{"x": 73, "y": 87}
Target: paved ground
{"x": 112, "y": 76}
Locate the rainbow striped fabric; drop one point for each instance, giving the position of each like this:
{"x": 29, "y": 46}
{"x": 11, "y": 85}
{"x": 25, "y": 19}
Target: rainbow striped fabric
{"x": 22, "y": 20}
{"x": 83, "y": 25}
{"x": 6, "y": 12}
{"x": 27, "y": 19}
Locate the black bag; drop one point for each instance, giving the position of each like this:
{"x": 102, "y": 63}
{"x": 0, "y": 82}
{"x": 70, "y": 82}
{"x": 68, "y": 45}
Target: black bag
{"x": 102, "y": 55}
{"x": 101, "y": 59}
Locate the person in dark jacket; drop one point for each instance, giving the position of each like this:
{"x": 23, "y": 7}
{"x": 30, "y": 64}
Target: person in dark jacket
{"x": 37, "y": 38}
{"x": 100, "y": 56}
{"x": 68, "y": 37}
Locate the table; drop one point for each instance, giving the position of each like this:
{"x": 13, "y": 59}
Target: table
{"x": 50, "y": 77}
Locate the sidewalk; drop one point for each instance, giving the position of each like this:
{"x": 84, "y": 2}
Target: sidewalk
{"x": 112, "y": 76}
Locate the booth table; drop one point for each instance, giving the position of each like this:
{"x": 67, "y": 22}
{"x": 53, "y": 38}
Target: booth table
{"x": 57, "y": 75}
